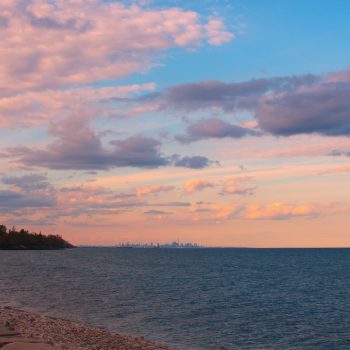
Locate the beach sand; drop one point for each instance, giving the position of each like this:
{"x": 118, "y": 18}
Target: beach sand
{"x": 22, "y": 330}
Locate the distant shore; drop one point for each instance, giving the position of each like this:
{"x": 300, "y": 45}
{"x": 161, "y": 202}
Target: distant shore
{"x": 61, "y": 334}
{"x": 12, "y": 239}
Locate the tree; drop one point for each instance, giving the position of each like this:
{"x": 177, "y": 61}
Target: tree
{"x": 23, "y": 239}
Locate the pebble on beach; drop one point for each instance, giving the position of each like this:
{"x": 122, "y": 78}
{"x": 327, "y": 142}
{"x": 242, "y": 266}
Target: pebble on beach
{"x": 21, "y": 330}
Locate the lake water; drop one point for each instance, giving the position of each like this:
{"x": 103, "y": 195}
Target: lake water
{"x": 191, "y": 299}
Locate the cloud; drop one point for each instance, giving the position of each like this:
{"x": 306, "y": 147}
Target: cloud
{"x": 228, "y": 97}
{"x": 339, "y": 153}
{"x": 194, "y": 162}
{"x": 28, "y": 191}
{"x": 173, "y": 204}
{"x": 335, "y": 170}
{"x": 151, "y": 189}
{"x": 32, "y": 109}
{"x": 79, "y": 147}
{"x": 239, "y": 186}
{"x": 217, "y": 33}
{"x": 13, "y": 199}
{"x": 323, "y": 108}
{"x": 138, "y": 151}
{"x": 77, "y": 202}
{"x": 85, "y": 152}
{"x": 279, "y": 211}
{"x": 156, "y": 212}
{"x": 96, "y": 197}
{"x": 213, "y": 128}
{"x": 216, "y": 212}
{"x": 282, "y": 106}
{"x": 3, "y": 22}
{"x": 212, "y": 212}
{"x": 78, "y": 42}
{"x": 198, "y": 185}
{"x": 32, "y": 182}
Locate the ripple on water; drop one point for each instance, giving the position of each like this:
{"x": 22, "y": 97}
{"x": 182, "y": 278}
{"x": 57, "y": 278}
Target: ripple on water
{"x": 193, "y": 299}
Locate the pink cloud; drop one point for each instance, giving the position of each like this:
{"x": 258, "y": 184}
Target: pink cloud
{"x": 209, "y": 212}
{"x": 279, "y": 211}
{"x": 215, "y": 211}
{"x": 152, "y": 189}
{"x": 38, "y": 108}
{"x": 71, "y": 42}
{"x": 198, "y": 185}
{"x": 335, "y": 170}
{"x": 35, "y": 200}
{"x": 217, "y": 32}
{"x": 238, "y": 185}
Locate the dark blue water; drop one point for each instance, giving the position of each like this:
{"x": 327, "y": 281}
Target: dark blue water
{"x": 191, "y": 299}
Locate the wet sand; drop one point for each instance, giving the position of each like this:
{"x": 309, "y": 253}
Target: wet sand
{"x": 22, "y": 330}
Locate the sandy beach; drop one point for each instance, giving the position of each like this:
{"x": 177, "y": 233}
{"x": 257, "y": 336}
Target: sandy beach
{"x": 22, "y": 330}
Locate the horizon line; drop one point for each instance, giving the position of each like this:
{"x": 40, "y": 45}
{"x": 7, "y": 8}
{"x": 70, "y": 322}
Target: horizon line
{"x": 209, "y": 247}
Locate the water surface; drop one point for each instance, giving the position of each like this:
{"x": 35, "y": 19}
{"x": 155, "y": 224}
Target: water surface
{"x": 191, "y": 299}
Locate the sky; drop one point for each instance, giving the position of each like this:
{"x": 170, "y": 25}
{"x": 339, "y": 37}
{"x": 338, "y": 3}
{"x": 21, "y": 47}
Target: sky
{"x": 224, "y": 123}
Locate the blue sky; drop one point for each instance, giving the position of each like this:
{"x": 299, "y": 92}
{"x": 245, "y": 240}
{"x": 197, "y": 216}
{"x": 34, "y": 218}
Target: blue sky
{"x": 273, "y": 38}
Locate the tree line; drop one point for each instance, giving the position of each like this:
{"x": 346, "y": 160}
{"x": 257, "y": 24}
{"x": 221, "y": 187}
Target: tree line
{"x": 23, "y": 239}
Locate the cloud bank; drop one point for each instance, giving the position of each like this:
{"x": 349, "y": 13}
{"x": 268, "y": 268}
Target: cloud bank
{"x": 71, "y": 42}
{"x": 79, "y": 147}
{"x": 281, "y": 106}
{"x": 213, "y": 128}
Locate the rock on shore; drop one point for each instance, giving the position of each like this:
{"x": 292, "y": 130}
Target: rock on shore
{"x": 21, "y": 330}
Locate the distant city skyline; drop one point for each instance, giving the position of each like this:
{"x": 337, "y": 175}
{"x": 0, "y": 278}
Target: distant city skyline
{"x": 174, "y": 245}
{"x": 224, "y": 123}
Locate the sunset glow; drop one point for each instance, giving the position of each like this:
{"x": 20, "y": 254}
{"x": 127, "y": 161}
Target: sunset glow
{"x": 224, "y": 123}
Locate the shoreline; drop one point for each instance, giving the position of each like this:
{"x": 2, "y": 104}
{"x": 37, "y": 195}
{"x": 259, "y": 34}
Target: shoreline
{"x": 59, "y": 334}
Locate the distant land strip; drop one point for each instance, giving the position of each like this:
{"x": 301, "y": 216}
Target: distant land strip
{"x": 175, "y": 245}
{"x": 12, "y": 239}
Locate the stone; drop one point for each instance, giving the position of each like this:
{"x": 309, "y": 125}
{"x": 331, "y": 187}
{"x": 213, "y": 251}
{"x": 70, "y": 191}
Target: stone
{"x": 28, "y": 346}
{"x": 6, "y": 331}
{"x": 19, "y": 339}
